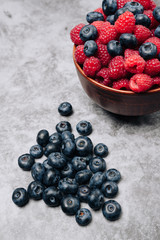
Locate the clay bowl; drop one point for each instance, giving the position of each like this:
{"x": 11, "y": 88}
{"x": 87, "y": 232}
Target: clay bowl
{"x": 121, "y": 102}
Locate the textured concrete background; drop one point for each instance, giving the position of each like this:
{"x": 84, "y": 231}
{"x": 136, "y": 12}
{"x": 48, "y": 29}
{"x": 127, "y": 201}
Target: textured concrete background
{"x": 36, "y": 75}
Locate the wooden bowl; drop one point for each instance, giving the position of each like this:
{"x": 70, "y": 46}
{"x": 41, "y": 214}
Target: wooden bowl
{"x": 121, "y": 102}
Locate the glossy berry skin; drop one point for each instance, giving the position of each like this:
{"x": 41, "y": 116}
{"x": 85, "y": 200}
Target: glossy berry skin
{"x": 50, "y": 148}
{"x": 114, "y": 48}
{"x": 96, "y": 180}
{"x": 36, "y": 151}
{"x": 65, "y": 109}
{"x": 35, "y": 190}
{"x": 67, "y": 135}
{"x": 79, "y": 163}
{"x": 134, "y": 7}
{"x": 94, "y": 16}
{"x": 90, "y": 48}
{"x": 56, "y": 139}
{"x": 68, "y": 148}
{"x": 46, "y": 165}
{"x": 143, "y": 19}
{"x": 157, "y": 32}
{"x": 110, "y": 19}
{"x": 156, "y": 13}
{"x": 112, "y": 175}
{"x": 51, "y": 177}
{"x": 83, "y": 193}
{"x": 63, "y": 126}
{"x": 68, "y": 186}
{"x": 26, "y": 161}
{"x": 95, "y": 199}
{"x": 101, "y": 150}
{"x": 97, "y": 164}
{"x": 70, "y": 204}
{"x": 68, "y": 171}
{"x": 84, "y": 146}
{"x": 88, "y": 32}
{"x": 38, "y": 171}
{"x": 84, "y": 128}
{"x": 83, "y": 176}
{"x": 148, "y": 50}
{"x": 52, "y": 196}
{"x": 56, "y": 160}
{"x": 20, "y": 197}
{"x": 109, "y": 189}
{"x": 43, "y": 137}
{"x": 119, "y": 12}
{"x": 111, "y": 210}
{"x": 83, "y": 217}
{"x": 128, "y": 39}
{"x": 109, "y": 7}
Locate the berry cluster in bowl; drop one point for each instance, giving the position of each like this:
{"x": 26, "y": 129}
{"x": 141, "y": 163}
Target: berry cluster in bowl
{"x": 119, "y": 47}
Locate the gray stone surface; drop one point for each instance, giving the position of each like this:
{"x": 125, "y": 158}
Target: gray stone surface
{"x": 36, "y": 75}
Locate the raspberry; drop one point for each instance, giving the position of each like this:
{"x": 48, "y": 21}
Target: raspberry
{"x": 152, "y": 67}
{"x": 100, "y": 10}
{"x": 103, "y": 77}
{"x": 125, "y": 23}
{"x": 142, "y": 33}
{"x": 152, "y": 32}
{"x": 144, "y": 3}
{"x": 107, "y": 33}
{"x": 156, "y": 81}
{"x": 121, "y": 84}
{"x": 135, "y": 64}
{"x": 155, "y": 41}
{"x": 74, "y": 34}
{"x": 79, "y": 54}
{"x": 121, "y": 3}
{"x": 152, "y": 5}
{"x": 98, "y": 25}
{"x": 103, "y": 55}
{"x": 140, "y": 83}
{"x": 154, "y": 22}
{"x": 116, "y": 68}
{"x": 91, "y": 66}
{"x": 129, "y": 52}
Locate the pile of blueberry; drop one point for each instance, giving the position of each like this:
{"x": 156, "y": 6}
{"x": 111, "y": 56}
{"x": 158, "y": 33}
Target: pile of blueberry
{"x": 73, "y": 172}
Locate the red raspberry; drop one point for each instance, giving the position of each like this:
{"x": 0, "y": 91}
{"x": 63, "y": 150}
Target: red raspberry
{"x": 121, "y": 3}
{"x": 107, "y": 33}
{"x": 103, "y": 77}
{"x": 100, "y": 10}
{"x": 156, "y": 81}
{"x": 152, "y": 32}
{"x": 135, "y": 64}
{"x": 152, "y": 67}
{"x": 103, "y": 55}
{"x": 142, "y": 33}
{"x": 125, "y": 23}
{"x": 98, "y": 25}
{"x": 152, "y": 5}
{"x": 74, "y": 34}
{"x": 144, "y": 3}
{"x": 121, "y": 84}
{"x": 129, "y": 52}
{"x": 154, "y": 22}
{"x": 140, "y": 83}
{"x": 116, "y": 68}
{"x": 156, "y": 41}
{"x": 79, "y": 54}
{"x": 91, "y": 66}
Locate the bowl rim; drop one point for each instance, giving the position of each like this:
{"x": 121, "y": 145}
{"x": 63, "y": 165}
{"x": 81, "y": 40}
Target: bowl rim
{"x": 99, "y": 85}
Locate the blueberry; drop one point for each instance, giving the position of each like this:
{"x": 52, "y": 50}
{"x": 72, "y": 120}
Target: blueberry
{"x": 114, "y": 48}
{"x": 50, "y": 148}
{"x": 35, "y": 190}
{"x": 101, "y": 150}
{"x": 148, "y": 50}
{"x": 70, "y": 204}
{"x": 20, "y": 197}
{"x": 128, "y": 39}
{"x": 109, "y": 189}
{"x": 83, "y": 217}
{"x": 84, "y": 146}
{"x": 68, "y": 185}
{"x": 84, "y": 128}
{"x": 56, "y": 139}
{"x": 88, "y": 32}
{"x": 119, "y": 12}
{"x": 83, "y": 193}
{"x": 94, "y": 16}
{"x": 109, "y": 6}
{"x": 79, "y": 163}
{"x": 111, "y": 210}
{"x": 65, "y": 109}
{"x": 56, "y": 160}
{"x": 143, "y": 19}
{"x": 51, "y": 177}
{"x": 156, "y": 13}
{"x": 96, "y": 180}
{"x": 36, "y": 151}
{"x": 43, "y": 137}
{"x": 26, "y": 161}
{"x": 68, "y": 171}
{"x": 46, "y": 165}
{"x": 97, "y": 164}
{"x": 159, "y": 56}
{"x": 68, "y": 148}
{"x": 63, "y": 126}
{"x": 112, "y": 175}
{"x": 83, "y": 176}
{"x": 110, "y": 19}
{"x": 95, "y": 199}
{"x": 90, "y": 48}
{"x": 157, "y": 32}
{"x": 52, "y": 196}
{"x": 38, "y": 171}
{"x": 134, "y": 7}
{"x": 67, "y": 135}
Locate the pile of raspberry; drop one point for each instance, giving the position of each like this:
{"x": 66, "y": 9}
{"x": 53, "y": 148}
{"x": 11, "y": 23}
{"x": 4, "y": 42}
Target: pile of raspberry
{"x": 119, "y": 47}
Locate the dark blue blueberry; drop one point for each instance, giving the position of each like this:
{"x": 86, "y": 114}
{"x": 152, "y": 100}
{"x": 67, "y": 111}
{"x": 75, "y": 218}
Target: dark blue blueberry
{"x": 56, "y": 139}
{"x": 143, "y": 19}
{"x": 83, "y": 193}
{"x": 88, "y": 32}
{"x": 83, "y": 217}
{"x": 38, "y": 171}
{"x": 94, "y": 16}
{"x": 36, "y": 151}
{"x": 128, "y": 39}
{"x": 68, "y": 171}
{"x": 20, "y": 197}
{"x": 52, "y": 196}
{"x": 134, "y": 7}
{"x": 46, "y": 165}
{"x": 110, "y": 19}
{"x": 97, "y": 164}
{"x": 148, "y": 50}
{"x": 95, "y": 199}
{"x": 56, "y": 160}
{"x": 156, "y": 13}
{"x": 96, "y": 180}
{"x": 101, "y": 150}
{"x": 51, "y": 177}
{"x": 63, "y": 126}
{"x": 26, "y": 161}
{"x": 67, "y": 134}
{"x": 65, "y": 109}
{"x": 112, "y": 175}
{"x": 83, "y": 176}
{"x": 84, "y": 128}
{"x": 35, "y": 190}
{"x": 50, "y": 148}
{"x": 109, "y": 7}
{"x": 109, "y": 189}
{"x": 111, "y": 210}
{"x": 114, "y": 48}
{"x": 68, "y": 148}
{"x": 70, "y": 204}
{"x": 90, "y": 48}
{"x": 43, "y": 137}
{"x": 79, "y": 163}
{"x": 68, "y": 185}
{"x": 119, "y": 12}
{"x": 84, "y": 146}
{"x": 159, "y": 56}
{"x": 157, "y": 32}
